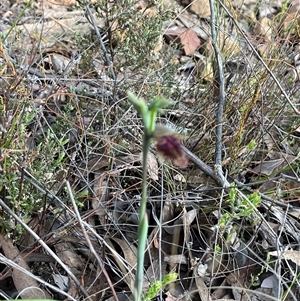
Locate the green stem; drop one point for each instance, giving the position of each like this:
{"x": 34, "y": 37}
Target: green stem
{"x": 143, "y": 223}
{"x": 17, "y": 20}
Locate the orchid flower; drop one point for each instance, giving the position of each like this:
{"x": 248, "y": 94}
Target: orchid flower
{"x": 168, "y": 146}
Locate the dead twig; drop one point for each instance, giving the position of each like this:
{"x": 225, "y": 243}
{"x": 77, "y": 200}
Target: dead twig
{"x": 107, "y": 59}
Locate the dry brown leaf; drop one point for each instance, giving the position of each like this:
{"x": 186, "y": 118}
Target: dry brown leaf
{"x": 58, "y": 63}
{"x": 202, "y": 288}
{"x": 228, "y": 44}
{"x": 200, "y": 8}
{"x": 68, "y": 256}
{"x": 129, "y": 251}
{"x": 294, "y": 7}
{"x": 292, "y": 255}
{"x": 147, "y": 8}
{"x": 185, "y": 37}
{"x": 127, "y": 264}
{"x": 184, "y": 220}
{"x": 21, "y": 280}
{"x": 189, "y": 216}
{"x": 96, "y": 164}
{"x": 268, "y": 167}
{"x": 237, "y": 280}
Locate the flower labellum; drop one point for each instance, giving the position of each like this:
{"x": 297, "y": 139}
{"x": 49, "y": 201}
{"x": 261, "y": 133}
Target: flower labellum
{"x": 169, "y": 146}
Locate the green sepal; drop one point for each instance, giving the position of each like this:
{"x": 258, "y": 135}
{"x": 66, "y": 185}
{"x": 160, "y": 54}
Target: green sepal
{"x": 141, "y": 107}
{"x": 159, "y": 104}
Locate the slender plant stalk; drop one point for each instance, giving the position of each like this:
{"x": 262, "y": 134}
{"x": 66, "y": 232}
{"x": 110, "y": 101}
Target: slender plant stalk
{"x": 170, "y": 140}
{"x": 143, "y": 223}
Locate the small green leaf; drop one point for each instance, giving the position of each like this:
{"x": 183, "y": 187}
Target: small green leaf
{"x": 171, "y": 277}
{"x": 153, "y": 290}
{"x": 255, "y": 198}
{"x": 251, "y": 146}
{"x": 157, "y": 286}
{"x": 218, "y": 249}
{"x": 59, "y": 159}
{"x": 232, "y": 194}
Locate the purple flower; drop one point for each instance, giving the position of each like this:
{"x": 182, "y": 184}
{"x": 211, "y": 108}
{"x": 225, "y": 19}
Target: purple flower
{"x": 169, "y": 147}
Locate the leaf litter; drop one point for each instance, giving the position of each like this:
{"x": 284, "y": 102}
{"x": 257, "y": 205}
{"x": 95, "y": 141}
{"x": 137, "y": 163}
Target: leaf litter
{"x": 218, "y": 244}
